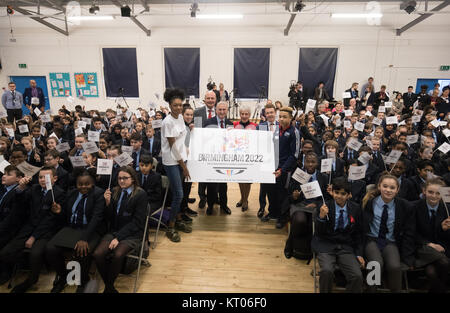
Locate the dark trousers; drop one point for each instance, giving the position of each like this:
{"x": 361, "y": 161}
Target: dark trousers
{"x": 202, "y": 191}
{"x": 262, "y": 195}
{"x": 277, "y": 193}
{"x": 389, "y": 260}
{"x": 14, "y": 114}
{"x": 15, "y": 249}
{"x": 186, "y": 191}
{"x": 347, "y": 264}
{"x": 437, "y": 273}
{"x": 212, "y": 190}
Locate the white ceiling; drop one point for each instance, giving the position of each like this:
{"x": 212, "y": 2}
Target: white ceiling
{"x": 255, "y": 15}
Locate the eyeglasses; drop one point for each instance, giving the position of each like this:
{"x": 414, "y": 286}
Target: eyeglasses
{"x": 124, "y": 178}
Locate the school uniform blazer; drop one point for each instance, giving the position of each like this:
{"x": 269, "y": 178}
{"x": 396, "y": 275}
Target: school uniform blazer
{"x": 404, "y": 227}
{"x": 339, "y": 169}
{"x": 94, "y": 211}
{"x": 156, "y": 148}
{"x": 418, "y": 184}
{"x": 358, "y": 190}
{"x": 322, "y": 179}
{"x": 63, "y": 178}
{"x": 326, "y": 239}
{"x": 41, "y": 221}
{"x": 33, "y": 161}
{"x": 407, "y": 190}
{"x": 130, "y": 221}
{"x": 425, "y": 232}
{"x": 153, "y": 187}
{"x": 103, "y": 180}
{"x": 11, "y": 216}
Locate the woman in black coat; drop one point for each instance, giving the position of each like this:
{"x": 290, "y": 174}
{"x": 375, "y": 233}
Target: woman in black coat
{"x": 126, "y": 212}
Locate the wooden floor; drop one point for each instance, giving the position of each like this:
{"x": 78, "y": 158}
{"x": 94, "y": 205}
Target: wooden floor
{"x": 224, "y": 253}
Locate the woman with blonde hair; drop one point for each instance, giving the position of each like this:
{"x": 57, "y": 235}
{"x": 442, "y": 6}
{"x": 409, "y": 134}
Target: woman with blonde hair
{"x": 244, "y": 123}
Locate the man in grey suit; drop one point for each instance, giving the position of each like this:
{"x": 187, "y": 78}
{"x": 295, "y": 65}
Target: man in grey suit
{"x": 12, "y": 101}
{"x": 200, "y": 116}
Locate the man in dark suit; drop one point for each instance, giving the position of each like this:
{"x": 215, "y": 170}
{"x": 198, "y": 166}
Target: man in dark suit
{"x": 138, "y": 151}
{"x": 320, "y": 93}
{"x": 338, "y": 239}
{"x": 200, "y": 116}
{"x": 408, "y": 100}
{"x": 38, "y": 229}
{"x": 33, "y": 97}
{"x": 380, "y": 97}
{"x": 219, "y": 121}
{"x": 269, "y": 125}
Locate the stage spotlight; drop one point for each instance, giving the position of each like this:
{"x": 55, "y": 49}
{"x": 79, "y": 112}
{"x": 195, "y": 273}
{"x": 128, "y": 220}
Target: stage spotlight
{"x": 94, "y": 9}
{"x": 408, "y": 6}
{"x": 125, "y": 11}
{"x": 299, "y": 6}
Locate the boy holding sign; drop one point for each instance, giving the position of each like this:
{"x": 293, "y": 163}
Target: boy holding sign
{"x": 338, "y": 239}
{"x": 40, "y": 226}
{"x": 300, "y": 209}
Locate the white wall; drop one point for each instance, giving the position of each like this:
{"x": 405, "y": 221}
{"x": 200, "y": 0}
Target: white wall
{"x": 363, "y": 52}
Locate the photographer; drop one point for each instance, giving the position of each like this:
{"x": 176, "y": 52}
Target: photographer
{"x": 296, "y": 96}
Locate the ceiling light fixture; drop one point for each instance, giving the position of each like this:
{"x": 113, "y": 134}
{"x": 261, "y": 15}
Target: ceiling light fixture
{"x": 125, "y": 11}
{"x": 298, "y": 7}
{"x": 94, "y": 9}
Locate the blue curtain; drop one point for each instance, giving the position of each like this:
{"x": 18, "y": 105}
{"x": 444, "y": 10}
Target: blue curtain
{"x": 120, "y": 71}
{"x": 317, "y": 64}
{"x": 182, "y": 66}
{"x": 251, "y": 72}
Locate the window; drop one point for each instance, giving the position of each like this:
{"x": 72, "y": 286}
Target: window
{"x": 120, "y": 71}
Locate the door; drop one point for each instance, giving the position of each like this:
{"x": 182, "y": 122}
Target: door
{"x": 23, "y": 82}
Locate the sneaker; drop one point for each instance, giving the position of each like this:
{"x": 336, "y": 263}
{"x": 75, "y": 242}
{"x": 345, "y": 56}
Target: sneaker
{"x": 186, "y": 219}
{"x": 190, "y": 212}
{"x": 182, "y": 226}
{"x": 173, "y": 235}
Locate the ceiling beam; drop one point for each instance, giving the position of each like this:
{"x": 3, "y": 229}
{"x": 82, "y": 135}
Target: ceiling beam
{"x": 134, "y": 19}
{"x": 422, "y": 17}
{"x": 288, "y": 27}
{"x": 42, "y": 21}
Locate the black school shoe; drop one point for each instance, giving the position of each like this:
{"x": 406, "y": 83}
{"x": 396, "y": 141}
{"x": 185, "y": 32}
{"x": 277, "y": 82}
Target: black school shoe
{"x": 23, "y": 287}
{"x": 190, "y": 212}
{"x": 59, "y": 284}
{"x": 186, "y": 219}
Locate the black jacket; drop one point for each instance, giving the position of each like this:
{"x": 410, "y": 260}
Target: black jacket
{"x": 94, "y": 211}
{"x": 425, "y": 232}
{"x": 156, "y": 147}
{"x": 404, "y": 228}
{"x": 41, "y": 221}
{"x": 153, "y": 187}
{"x": 130, "y": 221}
{"x": 11, "y": 214}
{"x": 326, "y": 239}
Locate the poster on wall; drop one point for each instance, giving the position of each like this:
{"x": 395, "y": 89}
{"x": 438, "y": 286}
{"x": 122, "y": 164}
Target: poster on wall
{"x": 86, "y": 84}
{"x": 60, "y": 84}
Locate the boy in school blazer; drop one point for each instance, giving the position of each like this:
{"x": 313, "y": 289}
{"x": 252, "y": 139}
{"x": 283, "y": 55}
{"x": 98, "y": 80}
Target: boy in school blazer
{"x": 38, "y": 229}
{"x": 338, "y": 238}
{"x": 150, "y": 181}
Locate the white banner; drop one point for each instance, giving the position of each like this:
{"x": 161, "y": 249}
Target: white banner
{"x": 231, "y": 155}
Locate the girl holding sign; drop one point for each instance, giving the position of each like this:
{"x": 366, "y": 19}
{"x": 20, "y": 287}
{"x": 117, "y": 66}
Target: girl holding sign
{"x": 388, "y": 226}
{"x": 82, "y": 217}
{"x": 126, "y": 211}
{"x": 432, "y": 235}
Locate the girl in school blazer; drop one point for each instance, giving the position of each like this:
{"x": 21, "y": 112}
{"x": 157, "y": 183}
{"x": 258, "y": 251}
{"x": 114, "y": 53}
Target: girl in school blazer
{"x": 81, "y": 216}
{"x": 126, "y": 211}
{"x": 389, "y": 238}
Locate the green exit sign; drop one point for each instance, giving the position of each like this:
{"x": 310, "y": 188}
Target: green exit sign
{"x": 444, "y": 68}
{"x": 22, "y": 66}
